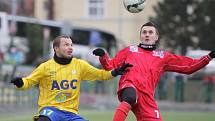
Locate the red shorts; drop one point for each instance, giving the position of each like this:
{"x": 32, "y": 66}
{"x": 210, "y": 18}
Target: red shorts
{"x": 145, "y": 108}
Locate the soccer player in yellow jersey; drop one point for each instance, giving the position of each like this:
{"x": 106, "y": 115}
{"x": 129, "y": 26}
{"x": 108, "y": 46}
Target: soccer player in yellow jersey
{"x": 59, "y": 82}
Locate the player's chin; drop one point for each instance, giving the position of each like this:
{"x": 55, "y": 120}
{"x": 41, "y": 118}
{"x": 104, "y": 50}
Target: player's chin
{"x": 69, "y": 56}
{"x": 146, "y": 42}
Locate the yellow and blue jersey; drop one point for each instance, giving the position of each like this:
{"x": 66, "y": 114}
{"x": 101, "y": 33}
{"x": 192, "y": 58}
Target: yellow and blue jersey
{"x": 59, "y": 85}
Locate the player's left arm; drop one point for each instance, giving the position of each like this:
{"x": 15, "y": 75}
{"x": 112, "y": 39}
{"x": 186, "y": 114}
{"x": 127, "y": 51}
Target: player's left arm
{"x": 186, "y": 65}
{"x": 91, "y": 73}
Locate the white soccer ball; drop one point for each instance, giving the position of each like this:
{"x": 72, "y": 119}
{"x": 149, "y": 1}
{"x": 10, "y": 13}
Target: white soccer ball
{"x": 134, "y": 6}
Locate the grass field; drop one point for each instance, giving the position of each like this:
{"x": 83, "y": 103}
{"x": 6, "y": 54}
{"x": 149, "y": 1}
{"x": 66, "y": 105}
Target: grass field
{"x": 107, "y": 116}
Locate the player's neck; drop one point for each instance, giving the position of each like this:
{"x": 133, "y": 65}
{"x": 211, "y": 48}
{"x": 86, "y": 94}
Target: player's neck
{"x": 62, "y": 61}
{"x": 147, "y": 47}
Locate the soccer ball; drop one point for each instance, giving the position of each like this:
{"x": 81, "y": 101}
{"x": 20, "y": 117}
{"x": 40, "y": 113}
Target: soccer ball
{"x": 134, "y": 6}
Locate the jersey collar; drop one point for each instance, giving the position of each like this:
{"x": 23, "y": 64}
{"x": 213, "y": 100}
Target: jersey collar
{"x": 62, "y": 61}
{"x": 147, "y": 47}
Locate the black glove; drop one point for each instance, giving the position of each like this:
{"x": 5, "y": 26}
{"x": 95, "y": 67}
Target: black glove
{"x": 99, "y": 52}
{"x": 121, "y": 70}
{"x": 17, "y": 81}
{"x": 212, "y": 54}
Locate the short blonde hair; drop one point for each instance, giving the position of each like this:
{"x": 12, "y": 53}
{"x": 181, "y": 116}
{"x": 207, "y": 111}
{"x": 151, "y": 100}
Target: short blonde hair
{"x": 56, "y": 41}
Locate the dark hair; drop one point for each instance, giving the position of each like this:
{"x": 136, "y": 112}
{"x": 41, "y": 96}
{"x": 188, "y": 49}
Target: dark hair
{"x": 150, "y": 24}
{"x": 56, "y": 41}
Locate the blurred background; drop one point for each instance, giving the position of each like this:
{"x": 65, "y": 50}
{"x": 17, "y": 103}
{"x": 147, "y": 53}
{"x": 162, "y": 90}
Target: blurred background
{"x": 27, "y": 28}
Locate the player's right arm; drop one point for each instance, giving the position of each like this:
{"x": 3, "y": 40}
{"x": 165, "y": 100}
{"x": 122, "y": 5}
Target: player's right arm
{"x": 107, "y": 62}
{"x": 31, "y": 80}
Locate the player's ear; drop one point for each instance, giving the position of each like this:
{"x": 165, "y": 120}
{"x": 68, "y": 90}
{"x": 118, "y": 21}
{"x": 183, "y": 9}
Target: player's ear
{"x": 156, "y": 37}
{"x": 55, "y": 49}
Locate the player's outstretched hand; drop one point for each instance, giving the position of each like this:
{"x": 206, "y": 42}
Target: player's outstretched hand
{"x": 17, "y": 81}
{"x": 121, "y": 70}
{"x": 99, "y": 52}
{"x": 212, "y": 54}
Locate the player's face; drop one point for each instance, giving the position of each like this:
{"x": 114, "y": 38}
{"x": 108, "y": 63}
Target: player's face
{"x": 65, "y": 48}
{"x": 148, "y": 35}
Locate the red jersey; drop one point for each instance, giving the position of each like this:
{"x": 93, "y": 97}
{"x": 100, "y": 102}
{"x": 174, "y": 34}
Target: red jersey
{"x": 148, "y": 66}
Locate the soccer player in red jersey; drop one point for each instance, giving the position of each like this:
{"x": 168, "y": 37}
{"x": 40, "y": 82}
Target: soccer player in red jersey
{"x": 136, "y": 87}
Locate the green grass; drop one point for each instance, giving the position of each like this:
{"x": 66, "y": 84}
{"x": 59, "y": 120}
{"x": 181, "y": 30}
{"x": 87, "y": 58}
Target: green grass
{"x": 188, "y": 116}
{"x": 167, "y": 116}
{"x": 107, "y": 116}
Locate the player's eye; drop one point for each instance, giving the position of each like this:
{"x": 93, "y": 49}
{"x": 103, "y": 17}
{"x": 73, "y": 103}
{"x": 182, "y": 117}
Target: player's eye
{"x": 144, "y": 32}
{"x": 151, "y": 32}
{"x": 66, "y": 44}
